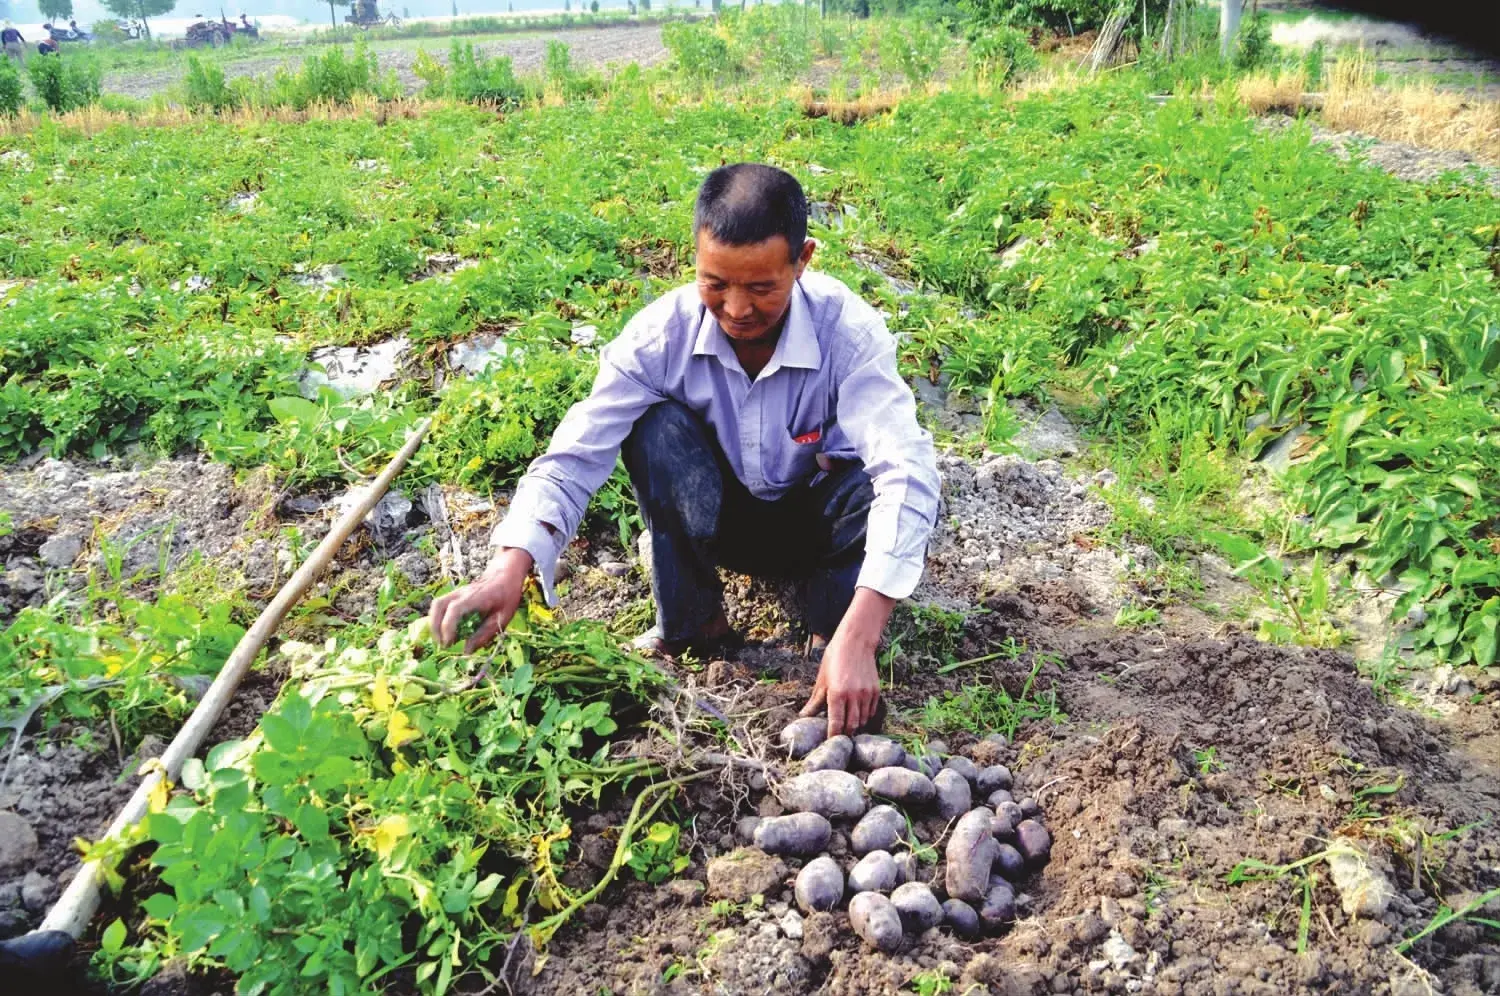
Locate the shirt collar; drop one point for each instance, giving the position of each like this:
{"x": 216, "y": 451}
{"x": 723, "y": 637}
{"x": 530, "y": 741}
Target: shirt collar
{"x": 798, "y": 346}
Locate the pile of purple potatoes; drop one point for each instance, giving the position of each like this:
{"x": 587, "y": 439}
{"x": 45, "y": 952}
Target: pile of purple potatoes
{"x": 880, "y": 792}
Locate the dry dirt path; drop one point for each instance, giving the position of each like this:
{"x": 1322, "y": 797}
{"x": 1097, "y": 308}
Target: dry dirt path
{"x": 589, "y": 48}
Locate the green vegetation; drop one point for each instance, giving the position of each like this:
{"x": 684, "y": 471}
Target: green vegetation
{"x": 394, "y": 811}
{"x": 986, "y": 706}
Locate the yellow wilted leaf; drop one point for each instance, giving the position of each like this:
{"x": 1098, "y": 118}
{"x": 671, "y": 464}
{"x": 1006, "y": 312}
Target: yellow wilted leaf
{"x": 388, "y": 833}
{"x": 380, "y": 695}
{"x": 400, "y": 731}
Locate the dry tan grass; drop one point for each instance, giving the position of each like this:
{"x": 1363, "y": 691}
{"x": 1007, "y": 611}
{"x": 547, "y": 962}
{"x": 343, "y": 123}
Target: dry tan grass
{"x": 1416, "y": 113}
{"x": 1264, "y": 92}
{"x": 95, "y": 119}
{"x": 850, "y": 111}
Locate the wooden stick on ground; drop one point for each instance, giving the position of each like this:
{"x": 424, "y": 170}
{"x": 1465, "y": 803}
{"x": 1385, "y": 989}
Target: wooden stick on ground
{"x": 80, "y": 900}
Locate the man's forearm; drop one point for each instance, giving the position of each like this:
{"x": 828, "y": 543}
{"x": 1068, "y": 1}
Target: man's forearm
{"x": 865, "y": 620}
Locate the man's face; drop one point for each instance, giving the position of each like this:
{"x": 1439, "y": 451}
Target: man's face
{"x": 748, "y": 288}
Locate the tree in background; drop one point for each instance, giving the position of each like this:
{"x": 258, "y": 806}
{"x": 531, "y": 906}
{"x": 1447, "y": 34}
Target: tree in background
{"x": 56, "y": 11}
{"x": 139, "y": 10}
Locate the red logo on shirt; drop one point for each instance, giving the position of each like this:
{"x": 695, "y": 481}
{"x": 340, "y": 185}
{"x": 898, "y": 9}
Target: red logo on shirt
{"x": 809, "y": 437}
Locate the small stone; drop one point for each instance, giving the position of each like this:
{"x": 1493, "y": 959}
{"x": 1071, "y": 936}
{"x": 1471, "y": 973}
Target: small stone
{"x": 36, "y": 892}
{"x": 615, "y": 568}
{"x": 791, "y": 925}
{"x": 1364, "y": 891}
{"x": 61, "y": 550}
{"x": 18, "y": 844}
{"x": 1120, "y": 954}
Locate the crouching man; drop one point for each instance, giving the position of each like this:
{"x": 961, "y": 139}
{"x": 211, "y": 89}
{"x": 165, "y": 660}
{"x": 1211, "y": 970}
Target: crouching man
{"x": 765, "y": 429}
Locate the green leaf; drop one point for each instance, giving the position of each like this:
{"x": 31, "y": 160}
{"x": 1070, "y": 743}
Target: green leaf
{"x": 292, "y": 409}
{"x": 113, "y": 938}
{"x": 160, "y": 906}
{"x": 1465, "y": 483}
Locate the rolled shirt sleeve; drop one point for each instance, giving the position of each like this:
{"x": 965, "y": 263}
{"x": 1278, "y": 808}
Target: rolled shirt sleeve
{"x": 552, "y": 497}
{"x": 878, "y": 415}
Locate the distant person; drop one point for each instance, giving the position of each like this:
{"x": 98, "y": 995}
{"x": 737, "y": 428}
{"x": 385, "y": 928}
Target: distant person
{"x": 47, "y": 47}
{"x": 78, "y": 32}
{"x": 15, "y": 44}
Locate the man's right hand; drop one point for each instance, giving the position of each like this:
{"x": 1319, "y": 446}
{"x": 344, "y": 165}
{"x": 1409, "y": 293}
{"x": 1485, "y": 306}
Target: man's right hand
{"x": 496, "y": 596}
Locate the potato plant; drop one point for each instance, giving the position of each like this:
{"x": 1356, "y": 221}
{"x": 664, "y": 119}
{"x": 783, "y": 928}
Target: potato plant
{"x": 395, "y": 811}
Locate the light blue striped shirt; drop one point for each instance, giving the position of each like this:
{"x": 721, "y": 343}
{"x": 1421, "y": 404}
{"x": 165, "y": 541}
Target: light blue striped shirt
{"x": 830, "y": 387}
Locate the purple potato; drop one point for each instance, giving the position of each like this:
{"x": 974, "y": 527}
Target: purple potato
{"x": 1009, "y": 862}
{"x": 919, "y": 908}
{"x": 911, "y": 788}
{"x": 872, "y": 752}
{"x": 964, "y": 767}
{"x": 834, "y": 794}
{"x": 831, "y": 755}
{"x": 875, "y": 872}
{"x": 880, "y": 830}
{"x": 820, "y": 885}
{"x": 799, "y": 834}
{"x": 800, "y": 736}
{"x": 1034, "y": 842}
{"x": 953, "y": 794}
{"x": 999, "y": 905}
{"x": 876, "y": 920}
{"x": 970, "y": 853}
{"x": 996, "y": 776}
{"x": 961, "y": 917}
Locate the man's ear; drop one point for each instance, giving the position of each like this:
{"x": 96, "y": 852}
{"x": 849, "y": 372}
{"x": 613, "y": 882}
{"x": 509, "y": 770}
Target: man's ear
{"x": 809, "y": 246}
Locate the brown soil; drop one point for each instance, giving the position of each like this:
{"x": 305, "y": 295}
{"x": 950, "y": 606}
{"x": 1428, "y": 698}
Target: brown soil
{"x": 1147, "y": 826}
{"x": 589, "y": 48}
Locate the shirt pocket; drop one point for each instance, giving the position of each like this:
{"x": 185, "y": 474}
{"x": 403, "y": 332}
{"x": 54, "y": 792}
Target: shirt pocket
{"x": 797, "y": 459}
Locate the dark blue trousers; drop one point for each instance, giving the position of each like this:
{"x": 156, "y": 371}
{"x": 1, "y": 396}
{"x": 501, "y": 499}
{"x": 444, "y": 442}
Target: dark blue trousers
{"x": 701, "y": 518}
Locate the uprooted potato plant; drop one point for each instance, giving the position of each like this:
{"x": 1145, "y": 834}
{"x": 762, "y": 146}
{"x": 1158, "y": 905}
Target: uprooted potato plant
{"x": 400, "y": 813}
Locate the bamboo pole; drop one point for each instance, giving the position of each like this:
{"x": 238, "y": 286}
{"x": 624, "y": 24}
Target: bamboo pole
{"x": 80, "y": 901}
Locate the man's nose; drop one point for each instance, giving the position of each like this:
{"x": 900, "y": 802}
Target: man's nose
{"x": 737, "y": 305}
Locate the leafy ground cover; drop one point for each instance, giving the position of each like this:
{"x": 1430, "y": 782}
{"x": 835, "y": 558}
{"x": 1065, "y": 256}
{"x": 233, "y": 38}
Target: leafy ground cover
{"x": 1238, "y": 286}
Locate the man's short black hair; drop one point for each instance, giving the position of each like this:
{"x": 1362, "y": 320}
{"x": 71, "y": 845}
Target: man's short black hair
{"x": 746, "y": 203}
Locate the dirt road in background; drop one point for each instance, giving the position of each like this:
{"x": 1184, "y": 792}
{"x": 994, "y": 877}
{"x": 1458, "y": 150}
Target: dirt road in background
{"x": 589, "y": 47}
